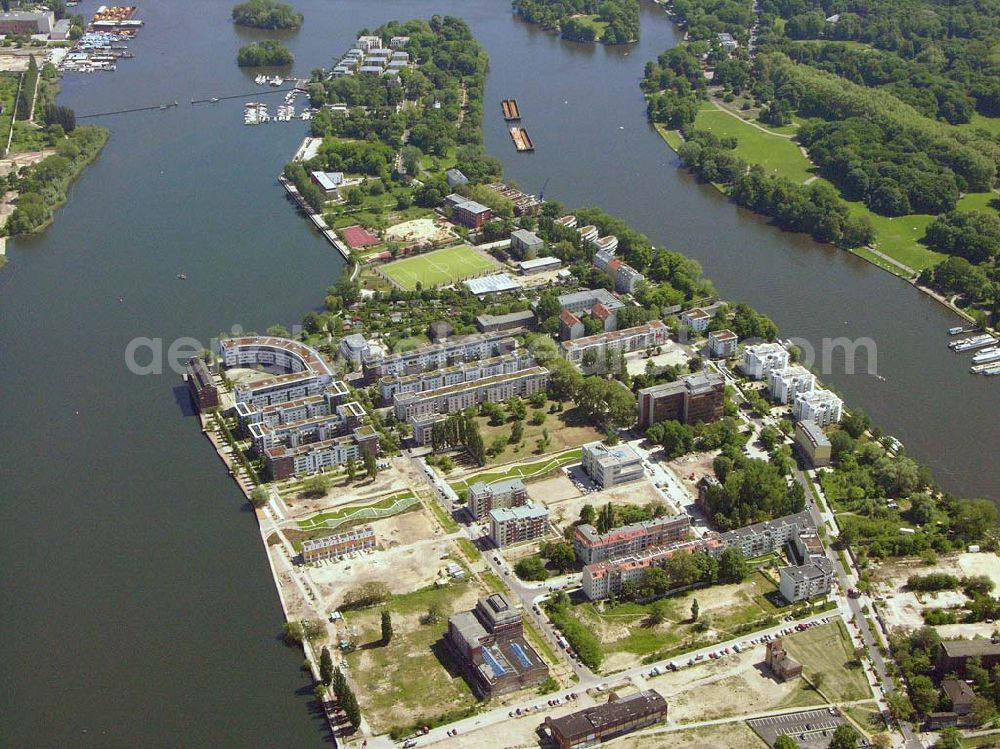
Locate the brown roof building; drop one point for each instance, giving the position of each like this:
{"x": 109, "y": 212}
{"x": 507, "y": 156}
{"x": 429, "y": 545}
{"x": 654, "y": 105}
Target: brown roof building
{"x": 783, "y": 666}
{"x": 954, "y": 655}
{"x": 616, "y": 717}
{"x": 200, "y": 384}
{"x": 694, "y": 399}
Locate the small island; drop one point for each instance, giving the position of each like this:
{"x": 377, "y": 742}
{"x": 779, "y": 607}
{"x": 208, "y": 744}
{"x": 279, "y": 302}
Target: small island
{"x": 266, "y": 53}
{"x": 266, "y": 14}
{"x": 610, "y": 22}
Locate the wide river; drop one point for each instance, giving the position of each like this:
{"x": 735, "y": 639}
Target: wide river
{"x": 137, "y": 608}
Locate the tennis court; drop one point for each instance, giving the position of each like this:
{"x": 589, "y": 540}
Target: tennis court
{"x": 437, "y": 268}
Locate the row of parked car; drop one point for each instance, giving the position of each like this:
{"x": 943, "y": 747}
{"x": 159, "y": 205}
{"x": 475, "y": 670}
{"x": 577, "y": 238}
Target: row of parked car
{"x": 554, "y": 702}
{"x": 739, "y": 647}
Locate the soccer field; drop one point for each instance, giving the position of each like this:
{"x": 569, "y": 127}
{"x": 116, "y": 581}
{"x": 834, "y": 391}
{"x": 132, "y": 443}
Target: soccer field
{"x": 437, "y": 268}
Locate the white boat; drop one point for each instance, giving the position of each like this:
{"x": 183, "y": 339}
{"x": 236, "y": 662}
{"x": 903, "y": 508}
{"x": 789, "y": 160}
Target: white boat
{"x": 956, "y": 330}
{"x": 987, "y": 355}
{"x": 975, "y": 342}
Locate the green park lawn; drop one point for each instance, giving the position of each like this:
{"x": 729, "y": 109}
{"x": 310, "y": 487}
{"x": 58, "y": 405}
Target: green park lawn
{"x": 320, "y": 520}
{"x": 595, "y": 23}
{"x": 437, "y": 268}
{"x": 827, "y": 650}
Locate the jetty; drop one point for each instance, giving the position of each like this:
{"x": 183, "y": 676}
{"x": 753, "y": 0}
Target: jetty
{"x": 315, "y": 217}
{"x": 510, "y": 109}
{"x": 521, "y": 140}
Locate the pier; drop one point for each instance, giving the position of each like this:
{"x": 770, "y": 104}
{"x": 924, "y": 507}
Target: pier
{"x": 317, "y": 218}
{"x": 521, "y": 140}
{"x": 510, "y": 109}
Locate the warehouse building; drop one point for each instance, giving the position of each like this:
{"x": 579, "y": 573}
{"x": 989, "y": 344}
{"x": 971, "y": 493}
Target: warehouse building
{"x": 616, "y": 717}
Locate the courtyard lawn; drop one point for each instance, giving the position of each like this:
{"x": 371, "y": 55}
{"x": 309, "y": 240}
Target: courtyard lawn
{"x": 411, "y": 681}
{"x": 827, "y": 650}
{"x": 437, "y": 268}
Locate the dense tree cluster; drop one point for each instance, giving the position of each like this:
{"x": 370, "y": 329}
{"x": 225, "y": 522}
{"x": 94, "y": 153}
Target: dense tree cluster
{"x": 956, "y": 275}
{"x": 460, "y": 428}
{"x": 973, "y": 235}
{"x": 266, "y": 52}
{"x": 567, "y": 16}
{"x": 266, "y": 14}
{"x": 751, "y": 491}
{"x": 683, "y": 569}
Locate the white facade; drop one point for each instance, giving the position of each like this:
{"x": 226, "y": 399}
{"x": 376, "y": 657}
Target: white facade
{"x": 820, "y": 406}
{"x": 802, "y": 583}
{"x": 611, "y": 466}
{"x": 785, "y": 384}
{"x": 761, "y": 358}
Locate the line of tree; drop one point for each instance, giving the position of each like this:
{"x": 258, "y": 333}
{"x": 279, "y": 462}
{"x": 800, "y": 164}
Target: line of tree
{"x": 345, "y": 697}
{"x": 25, "y": 98}
{"x": 458, "y": 429}
{"x": 683, "y": 569}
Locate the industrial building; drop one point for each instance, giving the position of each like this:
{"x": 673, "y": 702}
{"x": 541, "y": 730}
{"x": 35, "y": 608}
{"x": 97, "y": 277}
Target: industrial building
{"x": 204, "y": 393}
{"x": 694, "y": 399}
{"x": 611, "y": 466}
{"x": 782, "y": 665}
{"x": 616, "y": 717}
{"x": 488, "y": 642}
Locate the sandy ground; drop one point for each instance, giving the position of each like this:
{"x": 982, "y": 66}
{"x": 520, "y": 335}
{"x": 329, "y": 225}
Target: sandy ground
{"x": 730, "y": 735}
{"x": 418, "y": 230}
{"x": 409, "y": 558}
{"x": 691, "y": 468}
{"x": 902, "y": 608}
{"x": 738, "y": 684}
{"x": 673, "y": 353}
{"x": 399, "y": 477}
{"x": 567, "y": 509}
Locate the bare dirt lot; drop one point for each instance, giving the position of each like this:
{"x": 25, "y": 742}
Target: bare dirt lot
{"x": 418, "y": 230}
{"x": 731, "y": 735}
{"x": 567, "y": 510}
{"x": 691, "y": 468}
{"x": 672, "y": 355}
{"x": 409, "y": 558}
{"x": 902, "y": 608}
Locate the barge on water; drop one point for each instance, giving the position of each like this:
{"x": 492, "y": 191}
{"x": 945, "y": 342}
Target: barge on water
{"x": 510, "y": 109}
{"x": 521, "y": 140}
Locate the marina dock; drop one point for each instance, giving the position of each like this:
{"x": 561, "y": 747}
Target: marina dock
{"x": 521, "y": 140}
{"x": 510, "y": 109}
{"x": 317, "y": 218}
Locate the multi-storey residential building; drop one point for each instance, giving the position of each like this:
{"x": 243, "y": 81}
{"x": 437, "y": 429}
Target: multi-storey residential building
{"x": 392, "y": 385}
{"x": 785, "y": 384}
{"x": 761, "y": 538}
{"x": 354, "y": 348}
{"x": 525, "y": 245}
{"x": 800, "y": 583}
{"x": 761, "y": 358}
{"x": 616, "y": 717}
{"x": 456, "y": 397}
{"x": 344, "y": 419}
{"x": 696, "y": 319}
{"x": 489, "y": 644}
{"x": 611, "y": 466}
{"x": 591, "y": 546}
{"x": 722, "y": 343}
{"x": 309, "y": 407}
{"x": 691, "y": 400}
{"x": 603, "y": 579}
{"x": 307, "y": 372}
{"x": 607, "y": 244}
{"x": 435, "y": 356}
{"x": 625, "y": 277}
{"x": 514, "y": 525}
{"x": 283, "y": 462}
{"x": 588, "y": 233}
{"x": 953, "y": 656}
{"x": 200, "y": 384}
{"x": 820, "y": 406}
{"x": 584, "y": 301}
{"x": 482, "y": 497}
{"x": 339, "y": 544}
{"x": 369, "y": 42}
{"x": 619, "y": 342}
{"x": 811, "y": 441}
{"x": 568, "y": 221}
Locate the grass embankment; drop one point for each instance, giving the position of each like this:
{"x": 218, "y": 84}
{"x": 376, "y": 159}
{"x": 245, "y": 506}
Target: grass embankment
{"x": 411, "y": 681}
{"x": 898, "y": 237}
{"x": 344, "y": 513}
{"x": 536, "y": 470}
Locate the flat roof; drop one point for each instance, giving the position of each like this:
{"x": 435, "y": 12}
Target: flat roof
{"x": 498, "y": 283}
{"x": 524, "y": 512}
{"x": 616, "y": 711}
{"x": 539, "y": 262}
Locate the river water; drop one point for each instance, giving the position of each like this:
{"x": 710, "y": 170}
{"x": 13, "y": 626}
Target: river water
{"x": 137, "y": 607}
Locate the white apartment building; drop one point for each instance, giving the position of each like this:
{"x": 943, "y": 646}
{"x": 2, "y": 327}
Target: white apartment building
{"x": 435, "y": 356}
{"x": 611, "y": 466}
{"x": 761, "y": 358}
{"x": 653, "y": 333}
{"x": 804, "y": 582}
{"x": 464, "y": 394}
{"x": 391, "y": 385}
{"x": 820, "y": 406}
{"x": 785, "y": 384}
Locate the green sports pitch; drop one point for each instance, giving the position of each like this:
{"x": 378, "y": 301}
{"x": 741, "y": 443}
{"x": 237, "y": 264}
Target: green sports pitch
{"x": 437, "y": 268}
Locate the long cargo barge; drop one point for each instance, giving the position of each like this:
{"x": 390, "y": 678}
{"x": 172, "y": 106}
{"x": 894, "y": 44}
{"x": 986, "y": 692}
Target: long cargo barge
{"x": 510, "y": 109}
{"x": 521, "y": 140}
